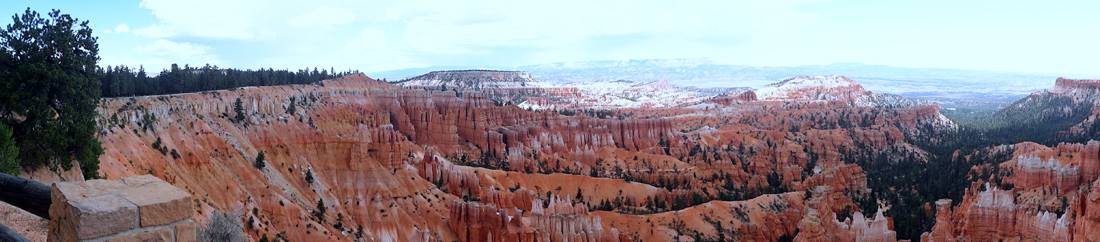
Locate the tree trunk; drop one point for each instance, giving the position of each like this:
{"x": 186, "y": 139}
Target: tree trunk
{"x": 26, "y": 194}
{"x": 6, "y": 234}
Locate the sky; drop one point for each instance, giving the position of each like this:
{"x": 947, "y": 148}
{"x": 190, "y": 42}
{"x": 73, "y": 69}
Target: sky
{"x": 1050, "y": 37}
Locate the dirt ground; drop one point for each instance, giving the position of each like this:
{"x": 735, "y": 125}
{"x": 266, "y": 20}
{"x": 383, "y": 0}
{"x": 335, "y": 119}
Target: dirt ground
{"x": 26, "y": 224}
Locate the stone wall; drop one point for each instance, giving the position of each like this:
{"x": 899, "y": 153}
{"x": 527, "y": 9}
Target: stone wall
{"x": 139, "y": 208}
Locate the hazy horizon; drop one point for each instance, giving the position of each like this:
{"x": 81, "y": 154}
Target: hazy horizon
{"x": 425, "y": 69}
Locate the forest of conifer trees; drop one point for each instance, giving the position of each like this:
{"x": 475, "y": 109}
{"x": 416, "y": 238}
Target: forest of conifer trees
{"x": 122, "y": 81}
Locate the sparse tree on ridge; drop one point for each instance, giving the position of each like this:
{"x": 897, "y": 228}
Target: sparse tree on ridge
{"x": 309, "y": 177}
{"x": 259, "y": 163}
{"x": 320, "y": 208}
{"x": 291, "y": 109}
{"x": 238, "y": 107}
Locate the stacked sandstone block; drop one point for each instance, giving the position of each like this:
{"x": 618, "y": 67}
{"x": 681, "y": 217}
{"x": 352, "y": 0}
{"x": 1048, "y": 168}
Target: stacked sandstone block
{"x": 139, "y": 208}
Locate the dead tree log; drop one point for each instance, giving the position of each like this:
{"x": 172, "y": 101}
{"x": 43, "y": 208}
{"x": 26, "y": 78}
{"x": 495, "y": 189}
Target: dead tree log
{"x": 6, "y": 234}
{"x": 26, "y": 194}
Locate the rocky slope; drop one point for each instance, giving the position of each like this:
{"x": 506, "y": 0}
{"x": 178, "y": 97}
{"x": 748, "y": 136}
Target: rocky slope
{"x": 1071, "y": 105}
{"x": 1044, "y": 194}
{"x": 1085, "y": 94}
{"x": 358, "y": 159}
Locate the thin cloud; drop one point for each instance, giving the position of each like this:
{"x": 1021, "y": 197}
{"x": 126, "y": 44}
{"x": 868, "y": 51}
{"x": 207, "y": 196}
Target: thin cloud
{"x": 371, "y": 48}
{"x": 187, "y": 52}
{"x": 156, "y": 31}
{"x": 428, "y": 32}
{"x": 206, "y": 18}
{"x": 122, "y": 28}
{"x": 324, "y": 17}
{"x": 417, "y": 33}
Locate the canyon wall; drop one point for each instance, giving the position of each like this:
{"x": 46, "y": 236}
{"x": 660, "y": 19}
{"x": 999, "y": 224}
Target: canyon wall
{"x": 1049, "y": 197}
{"x": 357, "y": 159}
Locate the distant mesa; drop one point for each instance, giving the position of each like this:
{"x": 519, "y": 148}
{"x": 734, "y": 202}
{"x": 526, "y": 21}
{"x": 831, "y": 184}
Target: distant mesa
{"x": 478, "y": 73}
{"x": 1077, "y": 83}
{"x": 832, "y": 88}
{"x": 473, "y": 79}
{"x": 522, "y": 89}
{"x": 815, "y": 80}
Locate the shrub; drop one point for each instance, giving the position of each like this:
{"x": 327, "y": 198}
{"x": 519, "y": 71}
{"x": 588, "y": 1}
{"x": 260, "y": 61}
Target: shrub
{"x": 221, "y": 227}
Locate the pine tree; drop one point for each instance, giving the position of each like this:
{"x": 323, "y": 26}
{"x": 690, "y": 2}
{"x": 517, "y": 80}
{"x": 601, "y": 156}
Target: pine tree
{"x": 580, "y": 197}
{"x": 9, "y": 153}
{"x": 320, "y": 208}
{"x": 259, "y": 163}
{"x": 290, "y": 109}
{"x": 49, "y": 90}
{"x": 309, "y": 177}
{"x": 239, "y": 108}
